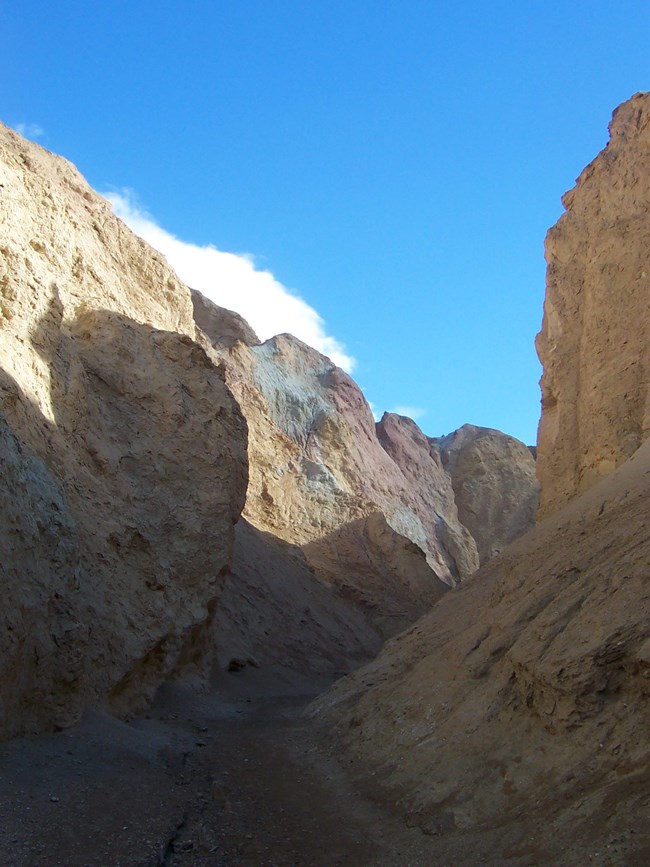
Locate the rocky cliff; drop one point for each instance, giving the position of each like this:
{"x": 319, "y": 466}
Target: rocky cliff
{"x": 370, "y": 507}
{"x": 123, "y": 456}
{"x": 595, "y": 406}
{"x": 323, "y": 492}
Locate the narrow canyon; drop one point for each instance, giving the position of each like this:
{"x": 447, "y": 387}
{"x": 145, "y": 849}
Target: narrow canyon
{"x": 244, "y": 623}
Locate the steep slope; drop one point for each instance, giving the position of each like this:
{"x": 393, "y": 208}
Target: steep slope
{"x": 595, "y": 406}
{"x": 274, "y": 612}
{"x": 511, "y": 720}
{"x": 319, "y": 479}
{"x": 123, "y": 453}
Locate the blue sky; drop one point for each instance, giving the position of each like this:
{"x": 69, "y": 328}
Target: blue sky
{"x": 396, "y": 165}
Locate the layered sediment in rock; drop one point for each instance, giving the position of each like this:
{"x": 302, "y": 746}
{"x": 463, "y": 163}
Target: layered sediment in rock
{"x": 494, "y": 483}
{"x": 595, "y": 405}
{"x": 123, "y": 453}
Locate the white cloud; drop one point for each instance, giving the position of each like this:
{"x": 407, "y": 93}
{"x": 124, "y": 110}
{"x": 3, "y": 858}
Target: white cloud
{"x": 413, "y": 412}
{"x": 29, "y": 130}
{"x": 234, "y": 282}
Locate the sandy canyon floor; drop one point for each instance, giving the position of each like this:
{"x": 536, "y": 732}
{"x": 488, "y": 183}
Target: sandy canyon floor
{"x": 235, "y": 777}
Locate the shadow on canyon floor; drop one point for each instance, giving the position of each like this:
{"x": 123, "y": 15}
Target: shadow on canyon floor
{"x": 235, "y": 777}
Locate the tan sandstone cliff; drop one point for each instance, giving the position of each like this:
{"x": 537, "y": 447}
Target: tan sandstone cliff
{"x": 595, "y": 402}
{"x": 510, "y": 723}
{"x": 123, "y": 456}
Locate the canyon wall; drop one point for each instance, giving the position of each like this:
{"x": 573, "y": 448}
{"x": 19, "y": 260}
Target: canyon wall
{"x": 368, "y": 510}
{"x": 509, "y": 722}
{"x": 123, "y": 456}
{"x": 595, "y": 406}
{"x": 320, "y": 482}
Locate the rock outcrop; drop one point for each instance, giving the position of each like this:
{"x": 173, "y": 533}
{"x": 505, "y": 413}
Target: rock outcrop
{"x": 431, "y": 490}
{"x": 370, "y": 507}
{"x": 222, "y": 327}
{"x": 495, "y": 485}
{"x": 595, "y": 403}
{"x": 320, "y": 479}
{"x": 122, "y": 451}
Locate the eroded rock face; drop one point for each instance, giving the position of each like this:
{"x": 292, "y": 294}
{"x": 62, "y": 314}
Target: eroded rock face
{"x": 316, "y": 462}
{"x": 495, "y": 485}
{"x": 595, "y": 407}
{"x": 319, "y": 479}
{"x": 40, "y": 571}
{"x": 371, "y": 507}
{"x": 124, "y": 451}
{"x": 431, "y": 487}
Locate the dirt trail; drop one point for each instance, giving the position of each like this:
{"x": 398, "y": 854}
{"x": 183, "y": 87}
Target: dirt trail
{"x": 236, "y": 777}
